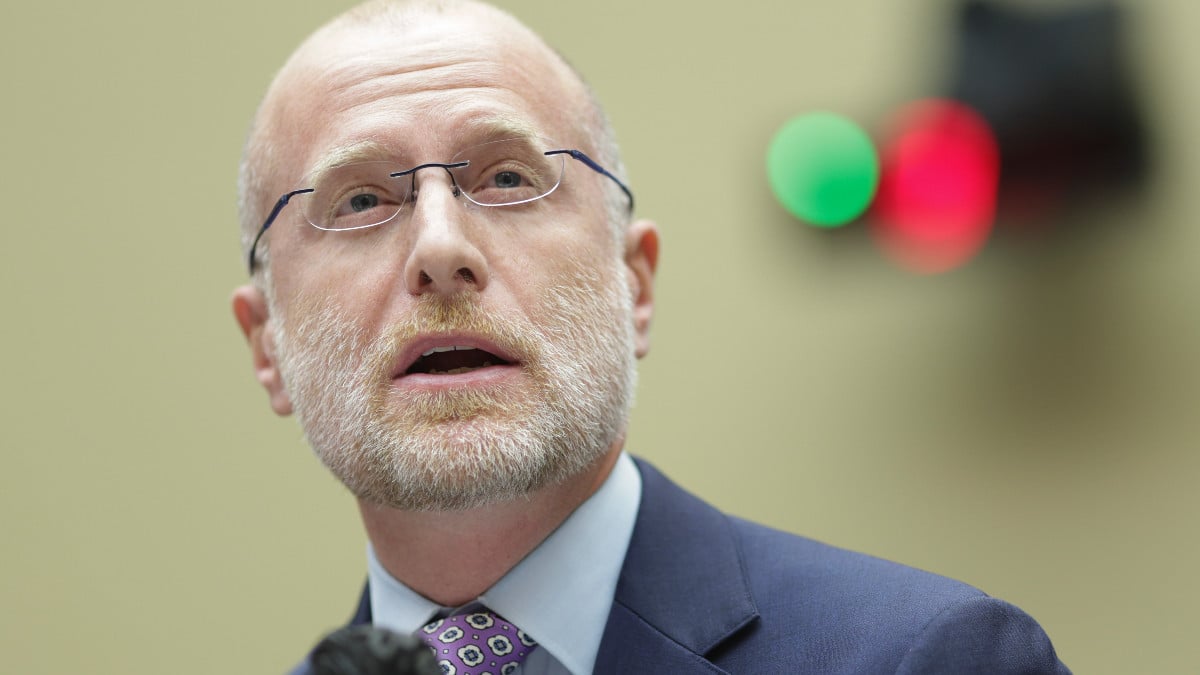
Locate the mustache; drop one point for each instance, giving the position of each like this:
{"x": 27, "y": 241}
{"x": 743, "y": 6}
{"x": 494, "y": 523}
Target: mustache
{"x": 460, "y": 312}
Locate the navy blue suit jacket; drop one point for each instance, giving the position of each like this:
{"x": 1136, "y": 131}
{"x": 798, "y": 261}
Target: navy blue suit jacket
{"x": 702, "y": 592}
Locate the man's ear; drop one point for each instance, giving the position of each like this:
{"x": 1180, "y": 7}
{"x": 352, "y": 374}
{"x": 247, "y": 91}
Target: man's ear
{"x": 641, "y": 259}
{"x": 250, "y": 310}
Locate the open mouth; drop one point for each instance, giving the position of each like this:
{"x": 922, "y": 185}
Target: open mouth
{"x": 454, "y": 360}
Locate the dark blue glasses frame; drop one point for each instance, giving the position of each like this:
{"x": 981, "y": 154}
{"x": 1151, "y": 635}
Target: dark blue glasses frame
{"x": 575, "y": 154}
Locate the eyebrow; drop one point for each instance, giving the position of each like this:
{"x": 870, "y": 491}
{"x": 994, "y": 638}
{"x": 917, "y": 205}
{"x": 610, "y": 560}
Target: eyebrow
{"x": 491, "y": 127}
{"x": 363, "y": 151}
{"x": 495, "y": 127}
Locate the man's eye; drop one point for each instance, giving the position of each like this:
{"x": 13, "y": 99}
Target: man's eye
{"x": 508, "y": 179}
{"x": 363, "y": 202}
{"x": 355, "y": 208}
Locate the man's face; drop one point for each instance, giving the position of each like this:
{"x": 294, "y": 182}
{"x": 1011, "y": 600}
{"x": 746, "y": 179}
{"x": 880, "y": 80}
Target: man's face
{"x": 458, "y": 354}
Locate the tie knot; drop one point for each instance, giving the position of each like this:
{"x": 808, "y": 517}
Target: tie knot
{"x": 477, "y": 643}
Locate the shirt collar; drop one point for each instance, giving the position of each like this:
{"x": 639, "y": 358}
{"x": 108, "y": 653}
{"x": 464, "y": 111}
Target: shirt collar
{"x": 561, "y": 593}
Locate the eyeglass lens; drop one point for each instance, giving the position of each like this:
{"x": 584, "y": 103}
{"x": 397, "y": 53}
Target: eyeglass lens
{"x": 499, "y": 173}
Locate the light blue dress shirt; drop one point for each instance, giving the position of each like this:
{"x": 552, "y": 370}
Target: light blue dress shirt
{"x": 560, "y": 594}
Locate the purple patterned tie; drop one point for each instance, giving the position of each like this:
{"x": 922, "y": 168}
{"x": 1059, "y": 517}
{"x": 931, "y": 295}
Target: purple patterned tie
{"x": 480, "y": 643}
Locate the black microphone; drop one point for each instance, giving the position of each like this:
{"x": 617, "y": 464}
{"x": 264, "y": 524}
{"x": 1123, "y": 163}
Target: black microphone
{"x": 368, "y": 650}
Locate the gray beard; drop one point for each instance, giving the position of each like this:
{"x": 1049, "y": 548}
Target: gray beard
{"x": 452, "y": 450}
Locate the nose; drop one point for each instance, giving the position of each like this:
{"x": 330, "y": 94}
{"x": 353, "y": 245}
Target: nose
{"x": 443, "y": 258}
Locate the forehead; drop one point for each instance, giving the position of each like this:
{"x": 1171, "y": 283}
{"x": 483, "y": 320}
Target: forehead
{"x": 421, "y": 88}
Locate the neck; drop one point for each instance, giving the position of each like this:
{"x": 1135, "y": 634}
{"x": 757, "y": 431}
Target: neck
{"x": 452, "y": 557}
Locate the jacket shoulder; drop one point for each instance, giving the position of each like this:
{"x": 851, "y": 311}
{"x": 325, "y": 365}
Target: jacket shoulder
{"x": 831, "y": 610}
{"x": 822, "y": 609}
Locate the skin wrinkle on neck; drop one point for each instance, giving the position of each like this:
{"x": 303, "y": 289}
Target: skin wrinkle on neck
{"x": 463, "y": 554}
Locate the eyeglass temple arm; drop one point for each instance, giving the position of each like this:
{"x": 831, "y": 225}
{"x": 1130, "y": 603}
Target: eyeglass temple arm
{"x": 271, "y": 219}
{"x": 575, "y": 154}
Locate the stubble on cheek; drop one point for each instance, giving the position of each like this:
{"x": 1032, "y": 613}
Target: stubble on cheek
{"x": 455, "y": 448}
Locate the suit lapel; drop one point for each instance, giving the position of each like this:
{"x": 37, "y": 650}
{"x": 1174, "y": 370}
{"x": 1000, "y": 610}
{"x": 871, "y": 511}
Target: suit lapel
{"x": 682, "y": 591}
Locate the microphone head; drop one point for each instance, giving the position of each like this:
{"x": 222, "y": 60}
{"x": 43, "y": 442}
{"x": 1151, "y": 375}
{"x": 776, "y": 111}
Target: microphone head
{"x": 369, "y": 650}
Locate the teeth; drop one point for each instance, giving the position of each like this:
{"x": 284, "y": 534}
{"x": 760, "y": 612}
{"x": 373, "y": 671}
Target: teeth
{"x": 452, "y": 348}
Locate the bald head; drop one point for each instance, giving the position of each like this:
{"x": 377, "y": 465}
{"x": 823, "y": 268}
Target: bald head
{"x": 415, "y": 48}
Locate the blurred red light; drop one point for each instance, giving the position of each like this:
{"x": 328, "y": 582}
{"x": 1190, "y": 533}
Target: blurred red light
{"x": 940, "y": 171}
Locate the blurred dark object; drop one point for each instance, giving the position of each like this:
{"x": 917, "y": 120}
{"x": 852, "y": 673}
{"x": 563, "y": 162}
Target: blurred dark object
{"x": 367, "y": 650}
{"x": 1053, "y": 85}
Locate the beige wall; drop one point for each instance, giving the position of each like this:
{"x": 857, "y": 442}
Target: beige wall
{"x": 1028, "y": 424}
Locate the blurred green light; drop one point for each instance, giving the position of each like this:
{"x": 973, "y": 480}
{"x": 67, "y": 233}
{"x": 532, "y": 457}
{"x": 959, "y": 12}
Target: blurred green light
{"x": 823, "y": 169}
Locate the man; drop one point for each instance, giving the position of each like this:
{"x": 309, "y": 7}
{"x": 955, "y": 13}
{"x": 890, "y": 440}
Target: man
{"x": 451, "y": 295}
